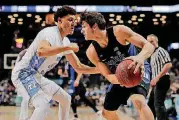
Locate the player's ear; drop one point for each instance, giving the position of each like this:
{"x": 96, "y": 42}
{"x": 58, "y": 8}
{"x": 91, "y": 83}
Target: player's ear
{"x": 59, "y": 19}
{"x": 94, "y": 27}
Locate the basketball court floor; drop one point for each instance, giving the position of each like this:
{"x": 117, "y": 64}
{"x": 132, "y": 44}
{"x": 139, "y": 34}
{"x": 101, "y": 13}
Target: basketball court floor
{"x": 85, "y": 113}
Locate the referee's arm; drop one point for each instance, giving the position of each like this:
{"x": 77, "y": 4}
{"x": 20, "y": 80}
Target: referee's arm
{"x": 166, "y": 61}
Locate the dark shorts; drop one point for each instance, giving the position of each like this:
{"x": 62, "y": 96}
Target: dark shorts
{"x": 117, "y": 95}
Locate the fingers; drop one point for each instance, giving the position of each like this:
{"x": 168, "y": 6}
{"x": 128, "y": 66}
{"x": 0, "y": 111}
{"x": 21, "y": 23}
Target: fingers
{"x": 142, "y": 74}
{"x": 132, "y": 64}
{"x": 137, "y": 68}
{"x": 153, "y": 83}
{"x": 77, "y": 49}
{"x": 75, "y": 85}
{"x": 74, "y": 45}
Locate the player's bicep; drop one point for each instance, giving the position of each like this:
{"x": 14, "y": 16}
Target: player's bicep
{"x": 92, "y": 55}
{"x": 125, "y": 35}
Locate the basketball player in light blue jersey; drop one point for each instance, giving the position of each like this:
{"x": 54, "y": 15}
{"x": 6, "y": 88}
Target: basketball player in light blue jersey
{"x": 43, "y": 54}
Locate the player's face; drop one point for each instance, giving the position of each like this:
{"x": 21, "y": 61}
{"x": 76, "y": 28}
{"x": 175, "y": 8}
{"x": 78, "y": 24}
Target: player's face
{"x": 68, "y": 23}
{"x": 87, "y": 31}
{"x": 153, "y": 41}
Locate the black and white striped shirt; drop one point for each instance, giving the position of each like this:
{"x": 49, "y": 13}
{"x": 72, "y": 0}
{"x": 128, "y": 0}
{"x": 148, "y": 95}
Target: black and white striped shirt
{"x": 158, "y": 59}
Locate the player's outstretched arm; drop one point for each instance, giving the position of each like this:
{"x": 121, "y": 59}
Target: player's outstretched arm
{"x": 78, "y": 66}
{"x": 45, "y": 49}
{"x": 104, "y": 70}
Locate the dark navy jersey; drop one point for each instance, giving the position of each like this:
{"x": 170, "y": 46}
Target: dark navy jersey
{"x": 115, "y": 52}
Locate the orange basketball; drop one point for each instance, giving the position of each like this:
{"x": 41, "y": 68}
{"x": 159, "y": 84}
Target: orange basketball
{"x": 126, "y": 76}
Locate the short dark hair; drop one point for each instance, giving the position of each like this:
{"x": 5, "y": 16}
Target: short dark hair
{"x": 153, "y": 35}
{"x": 93, "y": 17}
{"x": 63, "y": 11}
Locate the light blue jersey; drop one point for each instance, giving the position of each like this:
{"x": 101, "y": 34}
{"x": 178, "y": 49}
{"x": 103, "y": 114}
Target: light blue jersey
{"x": 30, "y": 64}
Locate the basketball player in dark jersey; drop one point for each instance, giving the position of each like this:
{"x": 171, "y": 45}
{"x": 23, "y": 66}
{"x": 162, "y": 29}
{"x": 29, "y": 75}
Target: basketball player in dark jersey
{"x": 109, "y": 47}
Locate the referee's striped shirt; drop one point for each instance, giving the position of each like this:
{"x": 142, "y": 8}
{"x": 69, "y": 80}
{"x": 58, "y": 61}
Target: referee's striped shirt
{"x": 158, "y": 59}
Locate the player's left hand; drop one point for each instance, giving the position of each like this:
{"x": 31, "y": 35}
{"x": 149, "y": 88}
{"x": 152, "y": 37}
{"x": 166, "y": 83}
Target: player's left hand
{"x": 154, "y": 81}
{"x": 139, "y": 62}
{"x": 74, "y": 47}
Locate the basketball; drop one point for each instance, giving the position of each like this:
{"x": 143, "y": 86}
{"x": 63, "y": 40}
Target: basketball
{"x": 126, "y": 76}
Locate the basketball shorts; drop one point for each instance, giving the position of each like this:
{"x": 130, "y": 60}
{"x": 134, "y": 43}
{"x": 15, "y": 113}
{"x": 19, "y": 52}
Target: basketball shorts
{"x": 31, "y": 85}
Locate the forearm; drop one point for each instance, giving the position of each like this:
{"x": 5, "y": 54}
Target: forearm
{"x": 45, "y": 52}
{"x": 147, "y": 50}
{"x": 141, "y": 42}
{"x": 94, "y": 69}
{"x": 104, "y": 70}
{"x": 112, "y": 78}
{"x": 86, "y": 69}
{"x": 164, "y": 70}
{"x": 79, "y": 67}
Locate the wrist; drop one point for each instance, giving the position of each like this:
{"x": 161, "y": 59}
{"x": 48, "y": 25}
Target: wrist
{"x": 158, "y": 77}
{"x": 142, "y": 57}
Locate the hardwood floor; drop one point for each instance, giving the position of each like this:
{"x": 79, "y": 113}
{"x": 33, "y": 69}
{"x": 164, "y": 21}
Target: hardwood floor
{"x": 85, "y": 113}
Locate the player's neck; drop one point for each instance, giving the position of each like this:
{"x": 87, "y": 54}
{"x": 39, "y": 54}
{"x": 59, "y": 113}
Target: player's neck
{"x": 101, "y": 38}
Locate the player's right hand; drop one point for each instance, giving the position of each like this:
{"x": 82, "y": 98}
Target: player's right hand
{"x": 74, "y": 47}
{"x": 138, "y": 62}
{"x": 76, "y": 83}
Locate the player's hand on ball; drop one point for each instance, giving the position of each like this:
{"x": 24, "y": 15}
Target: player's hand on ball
{"x": 138, "y": 62}
{"x": 74, "y": 47}
{"x": 76, "y": 83}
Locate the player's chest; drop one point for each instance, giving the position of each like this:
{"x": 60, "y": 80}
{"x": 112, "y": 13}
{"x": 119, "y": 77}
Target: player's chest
{"x": 111, "y": 55}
